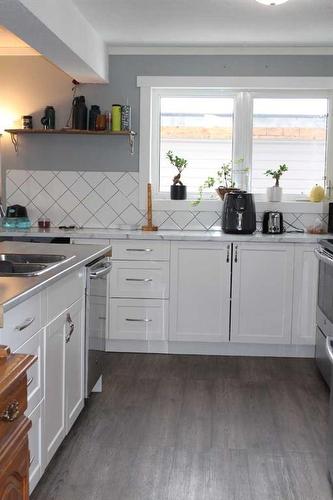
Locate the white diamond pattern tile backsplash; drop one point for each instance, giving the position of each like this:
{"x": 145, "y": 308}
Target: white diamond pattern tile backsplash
{"x": 104, "y": 200}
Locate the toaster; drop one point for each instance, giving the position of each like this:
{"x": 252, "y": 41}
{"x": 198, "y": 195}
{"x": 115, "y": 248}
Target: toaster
{"x": 272, "y": 223}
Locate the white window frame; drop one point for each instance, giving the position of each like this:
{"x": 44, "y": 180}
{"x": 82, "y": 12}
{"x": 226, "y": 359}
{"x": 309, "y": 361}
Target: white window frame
{"x": 244, "y": 90}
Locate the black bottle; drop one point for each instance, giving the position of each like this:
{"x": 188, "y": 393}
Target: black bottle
{"x": 93, "y": 113}
{"x": 80, "y": 112}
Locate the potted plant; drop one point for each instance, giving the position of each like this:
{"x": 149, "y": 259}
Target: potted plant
{"x": 177, "y": 189}
{"x": 223, "y": 180}
{"x": 274, "y": 193}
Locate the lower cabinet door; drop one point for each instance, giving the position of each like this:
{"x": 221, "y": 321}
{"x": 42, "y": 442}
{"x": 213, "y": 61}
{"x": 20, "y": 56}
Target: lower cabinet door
{"x": 200, "y": 291}
{"x": 138, "y": 319}
{"x": 54, "y": 386}
{"x": 74, "y": 378}
{"x": 262, "y": 290}
{"x": 305, "y": 295}
{"x": 36, "y": 468}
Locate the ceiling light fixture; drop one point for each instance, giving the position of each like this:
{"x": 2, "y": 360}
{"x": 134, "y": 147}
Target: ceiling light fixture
{"x": 272, "y": 3}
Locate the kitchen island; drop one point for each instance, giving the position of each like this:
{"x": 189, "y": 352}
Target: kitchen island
{"x": 44, "y": 316}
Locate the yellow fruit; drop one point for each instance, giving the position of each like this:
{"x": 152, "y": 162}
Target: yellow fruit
{"x": 317, "y": 193}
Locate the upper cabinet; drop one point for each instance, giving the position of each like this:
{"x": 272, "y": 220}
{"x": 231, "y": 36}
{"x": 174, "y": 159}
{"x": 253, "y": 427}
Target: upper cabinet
{"x": 200, "y": 291}
{"x": 262, "y": 293}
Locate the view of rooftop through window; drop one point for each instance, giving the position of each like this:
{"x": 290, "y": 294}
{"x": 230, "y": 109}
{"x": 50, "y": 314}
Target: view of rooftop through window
{"x": 291, "y": 131}
{"x": 200, "y": 129}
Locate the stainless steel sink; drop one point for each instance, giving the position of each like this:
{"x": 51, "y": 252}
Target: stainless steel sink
{"x": 31, "y": 258}
{"x": 12, "y": 264}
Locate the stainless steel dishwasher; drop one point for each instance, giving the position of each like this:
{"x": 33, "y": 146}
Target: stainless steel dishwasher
{"x": 96, "y": 320}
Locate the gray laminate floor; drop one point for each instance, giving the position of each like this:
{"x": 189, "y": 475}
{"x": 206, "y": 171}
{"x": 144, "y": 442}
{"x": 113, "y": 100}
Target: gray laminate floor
{"x": 197, "y": 428}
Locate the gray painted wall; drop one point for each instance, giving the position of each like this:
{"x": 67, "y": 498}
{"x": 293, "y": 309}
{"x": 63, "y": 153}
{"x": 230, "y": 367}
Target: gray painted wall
{"x": 30, "y": 83}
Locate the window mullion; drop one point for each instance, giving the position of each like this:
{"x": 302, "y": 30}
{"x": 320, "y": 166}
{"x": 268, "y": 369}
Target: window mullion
{"x": 242, "y": 146}
{"x": 329, "y": 150}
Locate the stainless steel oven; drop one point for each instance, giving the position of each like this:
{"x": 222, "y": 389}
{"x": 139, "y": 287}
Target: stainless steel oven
{"x": 324, "y": 335}
{"x": 96, "y": 320}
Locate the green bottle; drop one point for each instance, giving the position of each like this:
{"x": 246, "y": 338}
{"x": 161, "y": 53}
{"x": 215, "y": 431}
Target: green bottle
{"x": 116, "y": 118}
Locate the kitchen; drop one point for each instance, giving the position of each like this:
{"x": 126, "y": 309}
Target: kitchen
{"x": 210, "y": 385}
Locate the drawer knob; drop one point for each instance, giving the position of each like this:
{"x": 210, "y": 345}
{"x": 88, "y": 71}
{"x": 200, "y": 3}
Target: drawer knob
{"x": 11, "y": 412}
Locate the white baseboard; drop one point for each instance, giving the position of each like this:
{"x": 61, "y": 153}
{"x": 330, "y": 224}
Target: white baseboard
{"x": 211, "y": 349}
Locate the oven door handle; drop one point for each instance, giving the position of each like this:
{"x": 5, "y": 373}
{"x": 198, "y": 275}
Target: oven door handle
{"x": 101, "y": 272}
{"x": 324, "y": 256}
{"x": 329, "y": 348}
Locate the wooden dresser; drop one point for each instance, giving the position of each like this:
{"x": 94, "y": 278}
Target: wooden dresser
{"x": 14, "y": 425}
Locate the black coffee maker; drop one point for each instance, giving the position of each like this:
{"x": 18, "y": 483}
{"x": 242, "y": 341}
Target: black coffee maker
{"x": 239, "y": 213}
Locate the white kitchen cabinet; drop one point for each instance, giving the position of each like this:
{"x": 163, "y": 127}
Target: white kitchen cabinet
{"x": 36, "y": 468}
{"x": 74, "y": 362}
{"x": 262, "y": 292}
{"x": 200, "y": 291}
{"x": 55, "y": 430}
{"x": 64, "y": 375}
{"x": 138, "y": 319}
{"x": 305, "y": 295}
{"x": 139, "y": 279}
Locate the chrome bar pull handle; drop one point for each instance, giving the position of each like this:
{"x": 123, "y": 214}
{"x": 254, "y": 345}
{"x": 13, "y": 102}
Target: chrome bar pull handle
{"x": 143, "y": 280}
{"x": 139, "y": 320}
{"x": 236, "y": 253}
{"x": 139, "y": 249}
{"x": 27, "y": 322}
{"x": 228, "y": 253}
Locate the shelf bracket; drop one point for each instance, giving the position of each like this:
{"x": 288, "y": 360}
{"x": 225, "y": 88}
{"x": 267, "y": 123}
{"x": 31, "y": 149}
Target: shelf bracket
{"x": 131, "y": 140}
{"x": 14, "y": 139}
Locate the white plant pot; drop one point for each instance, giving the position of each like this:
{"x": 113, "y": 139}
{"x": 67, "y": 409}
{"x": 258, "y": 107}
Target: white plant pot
{"x": 274, "y": 193}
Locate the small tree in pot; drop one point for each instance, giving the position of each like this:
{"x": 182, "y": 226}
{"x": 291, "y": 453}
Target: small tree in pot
{"x": 274, "y": 193}
{"x": 177, "y": 189}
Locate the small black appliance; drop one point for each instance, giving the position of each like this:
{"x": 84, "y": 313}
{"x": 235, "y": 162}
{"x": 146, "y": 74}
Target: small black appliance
{"x": 272, "y": 222}
{"x": 239, "y": 213}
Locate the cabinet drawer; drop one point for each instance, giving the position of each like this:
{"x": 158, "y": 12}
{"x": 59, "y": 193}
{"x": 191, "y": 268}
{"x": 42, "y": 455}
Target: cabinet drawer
{"x": 35, "y": 379}
{"x": 141, "y": 250}
{"x": 21, "y": 322}
{"x": 13, "y": 405}
{"x": 64, "y": 293}
{"x": 35, "y": 447}
{"x": 147, "y": 280}
{"x": 138, "y": 319}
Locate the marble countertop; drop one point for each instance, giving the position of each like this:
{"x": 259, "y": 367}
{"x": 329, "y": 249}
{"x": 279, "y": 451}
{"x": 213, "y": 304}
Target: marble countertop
{"x": 214, "y": 234}
{"x": 14, "y": 290}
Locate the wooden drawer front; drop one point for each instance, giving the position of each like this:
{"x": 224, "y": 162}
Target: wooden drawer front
{"x": 35, "y": 379}
{"x": 140, "y": 250}
{"x": 35, "y": 447}
{"x": 21, "y": 322}
{"x": 64, "y": 293}
{"x": 147, "y": 280}
{"x": 138, "y": 319}
{"x": 13, "y": 404}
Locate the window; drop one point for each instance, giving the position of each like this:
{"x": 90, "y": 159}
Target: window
{"x": 291, "y": 131}
{"x": 256, "y": 126}
{"x": 199, "y": 129}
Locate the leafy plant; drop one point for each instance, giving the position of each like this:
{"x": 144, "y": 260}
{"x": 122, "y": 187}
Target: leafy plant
{"x": 179, "y": 163}
{"x": 276, "y": 174}
{"x": 223, "y": 179}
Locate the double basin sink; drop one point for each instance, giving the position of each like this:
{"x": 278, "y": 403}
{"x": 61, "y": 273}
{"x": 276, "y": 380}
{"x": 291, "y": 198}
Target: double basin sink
{"x": 13, "y": 264}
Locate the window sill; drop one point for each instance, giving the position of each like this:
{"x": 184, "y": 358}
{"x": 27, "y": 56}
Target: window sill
{"x": 304, "y": 207}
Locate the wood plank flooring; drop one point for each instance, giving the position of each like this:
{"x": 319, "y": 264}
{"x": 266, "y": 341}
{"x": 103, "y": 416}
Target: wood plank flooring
{"x": 197, "y": 428}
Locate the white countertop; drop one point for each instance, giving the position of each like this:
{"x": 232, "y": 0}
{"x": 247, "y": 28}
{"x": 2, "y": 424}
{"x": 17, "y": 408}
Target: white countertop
{"x": 14, "y": 289}
{"x": 211, "y": 235}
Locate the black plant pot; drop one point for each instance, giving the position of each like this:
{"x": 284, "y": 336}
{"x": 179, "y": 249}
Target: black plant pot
{"x": 178, "y": 192}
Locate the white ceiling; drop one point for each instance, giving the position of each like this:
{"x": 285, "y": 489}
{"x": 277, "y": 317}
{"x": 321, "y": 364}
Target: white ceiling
{"x": 210, "y": 22}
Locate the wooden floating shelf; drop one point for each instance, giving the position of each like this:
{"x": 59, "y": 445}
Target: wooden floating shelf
{"x": 14, "y": 132}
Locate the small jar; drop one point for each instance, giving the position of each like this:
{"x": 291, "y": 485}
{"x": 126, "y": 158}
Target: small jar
{"x": 44, "y": 223}
{"x": 27, "y": 122}
{"x": 100, "y": 122}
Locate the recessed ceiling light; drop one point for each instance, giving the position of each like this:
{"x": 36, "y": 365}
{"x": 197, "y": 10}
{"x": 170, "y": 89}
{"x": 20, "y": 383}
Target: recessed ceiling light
{"x": 272, "y": 3}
